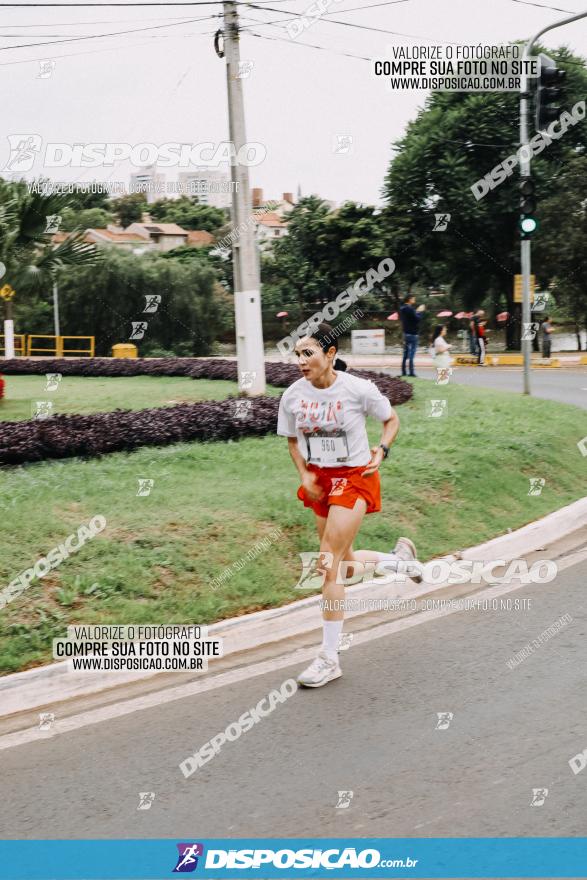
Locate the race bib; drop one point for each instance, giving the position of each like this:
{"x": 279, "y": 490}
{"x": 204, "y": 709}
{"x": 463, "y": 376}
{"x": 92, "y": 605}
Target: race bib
{"x": 327, "y": 447}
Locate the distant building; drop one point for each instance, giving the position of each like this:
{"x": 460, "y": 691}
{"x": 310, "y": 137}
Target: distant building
{"x": 164, "y": 236}
{"x": 282, "y": 207}
{"x": 270, "y": 216}
{"x": 150, "y": 182}
{"x": 268, "y": 227}
{"x": 200, "y": 238}
{"x": 144, "y": 237}
{"x": 115, "y": 235}
{"x": 212, "y": 188}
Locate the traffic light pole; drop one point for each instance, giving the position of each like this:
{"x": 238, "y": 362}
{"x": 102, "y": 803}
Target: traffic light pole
{"x": 525, "y": 159}
{"x": 247, "y": 285}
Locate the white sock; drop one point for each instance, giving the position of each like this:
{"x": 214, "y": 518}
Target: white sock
{"x": 330, "y": 633}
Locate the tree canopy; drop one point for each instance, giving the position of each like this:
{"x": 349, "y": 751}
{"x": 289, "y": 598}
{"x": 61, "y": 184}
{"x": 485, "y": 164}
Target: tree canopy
{"x": 456, "y": 139}
{"x": 187, "y": 212}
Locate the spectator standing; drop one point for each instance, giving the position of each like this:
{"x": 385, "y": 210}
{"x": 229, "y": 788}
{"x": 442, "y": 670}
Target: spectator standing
{"x": 547, "y": 330}
{"x": 440, "y": 348}
{"x": 474, "y": 334}
{"x": 481, "y": 336}
{"x": 410, "y": 318}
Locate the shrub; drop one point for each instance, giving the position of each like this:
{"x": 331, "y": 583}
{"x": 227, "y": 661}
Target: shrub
{"x": 280, "y": 375}
{"x": 62, "y": 436}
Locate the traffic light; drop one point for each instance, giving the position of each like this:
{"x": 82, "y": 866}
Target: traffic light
{"x": 528, "y": 222}
{"x": 548, "y": 92}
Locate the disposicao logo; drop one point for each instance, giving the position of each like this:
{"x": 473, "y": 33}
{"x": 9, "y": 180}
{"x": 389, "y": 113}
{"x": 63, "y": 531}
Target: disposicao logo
{"x": 187, "y": 861}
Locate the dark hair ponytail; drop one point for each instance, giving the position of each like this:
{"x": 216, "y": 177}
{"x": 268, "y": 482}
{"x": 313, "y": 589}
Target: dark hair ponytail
{"x": 326, "y": 337}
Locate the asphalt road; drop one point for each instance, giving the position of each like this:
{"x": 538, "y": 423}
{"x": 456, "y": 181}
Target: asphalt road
{"x": 563, "y": 385}
{"x": 372, "y": 732}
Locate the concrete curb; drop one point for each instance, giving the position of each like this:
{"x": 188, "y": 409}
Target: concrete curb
{"x": 458, "y": 359}
{"x": 35, "y": 688}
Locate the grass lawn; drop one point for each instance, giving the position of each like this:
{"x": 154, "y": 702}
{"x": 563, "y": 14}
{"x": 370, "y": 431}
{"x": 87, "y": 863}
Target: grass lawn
{"x": 449, "y": 483}
{"x": 81, "y": 394}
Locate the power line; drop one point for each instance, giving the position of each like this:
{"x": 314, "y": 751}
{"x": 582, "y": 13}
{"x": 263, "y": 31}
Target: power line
{"x": 87, "y": 52}
{"x": 542, "y": 6}
{"x": 370, "y": 6}
{"x": 126, "y": 5}
{"x": 282, "y": 21}
{"x": 108, "y": 21}
{"x": 111, "y": 34}
{"x": 308, "y": 45}
{"x": 98, "y": 36}
{"x": 353, "y": 9}
{"x": 354, "y": 25}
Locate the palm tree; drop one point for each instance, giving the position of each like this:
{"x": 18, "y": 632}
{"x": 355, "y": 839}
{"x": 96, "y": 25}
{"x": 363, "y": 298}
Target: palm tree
{"x": 28, "y": 256}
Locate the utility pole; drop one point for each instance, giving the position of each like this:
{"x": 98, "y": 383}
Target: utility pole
{"x": 525, "y": 159}
{"x": 247, "y": 285}
{"x": 56, "y": 307}
{"x": 7, "y": 294}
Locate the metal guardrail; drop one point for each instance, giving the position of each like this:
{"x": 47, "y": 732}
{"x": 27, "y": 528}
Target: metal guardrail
{"x": 20, "y": 348}
{"x": 89, "y": 352}
{"x": 58, "y": 349}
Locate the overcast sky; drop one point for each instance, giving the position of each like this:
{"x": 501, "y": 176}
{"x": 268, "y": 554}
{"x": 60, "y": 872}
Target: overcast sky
{"x": 168, "y": 84}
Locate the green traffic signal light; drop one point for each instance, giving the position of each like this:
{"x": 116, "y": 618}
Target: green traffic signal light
{"x": 528, "y": 225}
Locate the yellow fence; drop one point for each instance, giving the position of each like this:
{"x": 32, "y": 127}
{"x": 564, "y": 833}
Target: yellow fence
{"x": 58, "y": 348}
{"x": 55, "y": 350}
{"x": 89, "y": 351}
{"x": 19, "y": 343}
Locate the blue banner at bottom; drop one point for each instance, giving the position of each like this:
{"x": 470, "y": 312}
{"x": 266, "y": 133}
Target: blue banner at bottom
{"x": 293, "y": 857}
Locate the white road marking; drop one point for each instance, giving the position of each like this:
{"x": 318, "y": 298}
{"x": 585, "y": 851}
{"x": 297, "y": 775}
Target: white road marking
{"x": 169, "y": 695}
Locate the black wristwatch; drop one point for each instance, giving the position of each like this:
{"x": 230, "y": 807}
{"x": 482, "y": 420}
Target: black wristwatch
{"x": 385, "y": 449}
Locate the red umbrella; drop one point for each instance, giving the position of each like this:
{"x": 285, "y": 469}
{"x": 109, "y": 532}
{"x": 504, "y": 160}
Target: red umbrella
{"x": 282, "y": 314}
{"x": 445, "y": 314}
{"x": 503, "y": 316}
{"x": 393, "y": 317}
{"x": 460, "y": 315}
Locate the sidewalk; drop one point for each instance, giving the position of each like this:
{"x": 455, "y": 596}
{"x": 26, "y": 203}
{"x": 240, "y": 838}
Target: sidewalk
{"x": 23, "y": 694}
{"x": 463, "y": 359}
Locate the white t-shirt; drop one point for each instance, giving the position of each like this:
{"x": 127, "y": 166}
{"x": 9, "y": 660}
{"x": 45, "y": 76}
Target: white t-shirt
{"x": 329, "y": 423}
{"x": 440, "y": 352}
{"x": 441, "y": 345}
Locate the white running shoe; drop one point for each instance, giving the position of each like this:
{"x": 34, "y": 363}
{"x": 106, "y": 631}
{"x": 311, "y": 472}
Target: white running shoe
{"x": 322, "y": 670}
{"x": 406, "y": 550}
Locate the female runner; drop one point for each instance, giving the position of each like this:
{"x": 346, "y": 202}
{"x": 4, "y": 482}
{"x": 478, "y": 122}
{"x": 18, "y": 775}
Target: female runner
{"x": 323, "y": 416}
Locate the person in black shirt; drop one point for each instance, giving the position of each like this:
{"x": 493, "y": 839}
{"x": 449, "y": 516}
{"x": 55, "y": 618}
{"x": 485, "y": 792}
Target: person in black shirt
{"x": 410, "y": 318}
{"x": 546, "y": 336}
{"x": 474, "y": 333}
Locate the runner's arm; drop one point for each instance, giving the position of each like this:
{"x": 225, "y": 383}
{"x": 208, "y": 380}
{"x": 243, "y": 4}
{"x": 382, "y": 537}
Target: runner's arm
{"x": 389, "y": 433}
{"x": 390, "y": 429}
{"x": 309, "y": 481}
{"x": 297, "y": 457}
